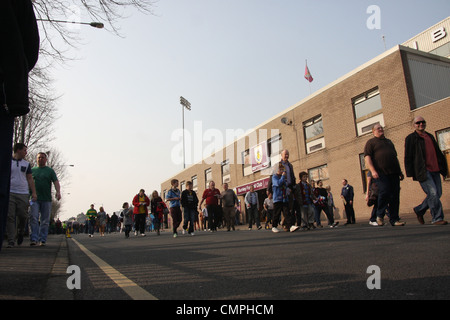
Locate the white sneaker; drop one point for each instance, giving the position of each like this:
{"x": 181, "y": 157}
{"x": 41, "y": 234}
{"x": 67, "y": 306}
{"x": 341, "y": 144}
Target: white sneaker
{"x": 293, "y": 228}
{"x": 373, "y": 223}
{"x": 275, "y": 230}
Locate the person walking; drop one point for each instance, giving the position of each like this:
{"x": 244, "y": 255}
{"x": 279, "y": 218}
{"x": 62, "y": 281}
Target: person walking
{"x": 330, "y": 202}
{"x": 252, "y": 205}
{"x": 174, "y": 198}
{"x": 289, "y": 217}
{"x": 381, "y": 159}
{"x": 268, "y": 207}
{"x": 140, "y": 211}
{"x": 229, "y": 203}
{"x": 280, "y": 199}
{"x": 205, "y": 220}
{"x": 322, "y": 204}
{"x": 157, "y": 207}
{"x": 127, "y": 215}
{"x": 425, "y": 163}
{"x": 19, "y": 36}
{"x": 101, "y": 221}
{"x": 372, "y": 199}
{"x": 304, "y": 195}
{"x": 211, "y": 198}
{"x": 91, "y": 215}
{"x": 113, "y": 222}
{"x": 21, "y": 184}
{"x": 347, "y": 195}
{"x": 189, "y": 202}
{"x": 41, "y": 209}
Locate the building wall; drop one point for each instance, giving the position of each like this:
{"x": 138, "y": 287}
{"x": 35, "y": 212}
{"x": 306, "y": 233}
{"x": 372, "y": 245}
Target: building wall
{"x": 433, "y": 38}
{"x": 342, "y": 144}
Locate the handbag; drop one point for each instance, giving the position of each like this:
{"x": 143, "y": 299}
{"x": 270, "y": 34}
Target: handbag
{"x": 373, "y": 193}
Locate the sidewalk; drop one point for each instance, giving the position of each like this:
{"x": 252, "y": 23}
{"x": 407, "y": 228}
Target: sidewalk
{"x": 35, "y": 273}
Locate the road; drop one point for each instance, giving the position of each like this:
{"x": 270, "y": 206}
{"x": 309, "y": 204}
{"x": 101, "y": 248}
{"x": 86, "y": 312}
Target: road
{"x": 411, "y": 262}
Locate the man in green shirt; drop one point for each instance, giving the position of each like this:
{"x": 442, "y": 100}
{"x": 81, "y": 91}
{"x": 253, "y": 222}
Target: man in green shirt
{"x": 91, "y": 214}
{"x": 41, "y": 208}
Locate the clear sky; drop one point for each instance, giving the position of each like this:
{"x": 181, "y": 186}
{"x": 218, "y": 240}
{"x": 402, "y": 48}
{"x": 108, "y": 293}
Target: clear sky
{"x": 238, "y": 62}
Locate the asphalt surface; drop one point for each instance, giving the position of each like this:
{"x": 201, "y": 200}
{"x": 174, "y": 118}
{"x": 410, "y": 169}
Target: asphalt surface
{"x": 323, "y": 264}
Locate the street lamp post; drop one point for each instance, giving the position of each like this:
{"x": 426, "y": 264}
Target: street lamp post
{"x": 98, "y": 25}
{"x": 185, "y": 104}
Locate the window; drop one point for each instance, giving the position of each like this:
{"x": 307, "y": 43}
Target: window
{"x": 194, "y": 183}
{"x": 208, "y": 177}
{"x": 368, "y": 111}
{"x": 429, "y": 80}
{"x": 318, "y": 173}
{"x": 275, "y": 147}
{"x": 246, "y": 163}
{"x": 443, "y": 138}
{"x": 182, "y": 185}
{"x": 313, "y": 131}
{"x": 364, "y": 171}
{"x": 226, "y": 172}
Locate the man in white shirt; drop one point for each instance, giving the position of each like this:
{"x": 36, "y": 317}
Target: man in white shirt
{"x": 21, "y": 184}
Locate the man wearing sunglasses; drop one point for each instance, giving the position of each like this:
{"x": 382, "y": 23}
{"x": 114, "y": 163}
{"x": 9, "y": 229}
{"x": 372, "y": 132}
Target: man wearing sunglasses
{"x": 425, "y": 162}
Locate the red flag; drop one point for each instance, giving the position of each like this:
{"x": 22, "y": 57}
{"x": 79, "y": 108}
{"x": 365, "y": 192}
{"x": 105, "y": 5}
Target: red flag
{"x": 308, "y": 75}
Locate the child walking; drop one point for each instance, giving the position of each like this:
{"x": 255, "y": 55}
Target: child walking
{"x": 127, "y": 215}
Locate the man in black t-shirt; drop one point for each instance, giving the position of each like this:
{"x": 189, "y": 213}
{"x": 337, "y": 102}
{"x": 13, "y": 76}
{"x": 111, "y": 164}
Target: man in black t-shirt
{"x": 381, "y": 158}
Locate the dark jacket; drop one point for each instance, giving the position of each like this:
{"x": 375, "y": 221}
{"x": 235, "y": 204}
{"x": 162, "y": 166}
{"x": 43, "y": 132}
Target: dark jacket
{"x": 189, "y": 199}
{"x": 292, "y": 175}
{"x": 415, "y": 163}
{"x": 347, "y": 193}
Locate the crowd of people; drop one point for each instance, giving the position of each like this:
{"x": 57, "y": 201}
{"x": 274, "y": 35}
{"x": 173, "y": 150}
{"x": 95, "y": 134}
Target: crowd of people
{"x": 289, "y": 205}
{"x": 294, "y": 206}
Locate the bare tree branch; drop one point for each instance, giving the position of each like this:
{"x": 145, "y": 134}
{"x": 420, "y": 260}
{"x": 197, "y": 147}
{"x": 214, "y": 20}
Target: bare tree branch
{"x": 57, "y": 41}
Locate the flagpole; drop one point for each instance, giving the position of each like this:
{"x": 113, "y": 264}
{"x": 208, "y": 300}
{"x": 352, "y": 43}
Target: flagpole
{"x": 309, "y": 82}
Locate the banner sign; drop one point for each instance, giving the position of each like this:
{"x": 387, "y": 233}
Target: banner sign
{"x": 258, "y": 185}
{"x": 259, "y": 157}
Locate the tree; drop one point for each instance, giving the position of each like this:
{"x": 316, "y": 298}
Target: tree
{"x": 52, "y": 12}
{"x": 35, "y": 129}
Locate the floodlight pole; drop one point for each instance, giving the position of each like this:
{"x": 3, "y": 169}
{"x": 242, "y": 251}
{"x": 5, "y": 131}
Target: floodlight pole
{"x": 184, "y": 104}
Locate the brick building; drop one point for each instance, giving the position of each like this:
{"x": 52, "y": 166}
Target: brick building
{"x": 326, "y": 132}
{"x": 435, "y": 40}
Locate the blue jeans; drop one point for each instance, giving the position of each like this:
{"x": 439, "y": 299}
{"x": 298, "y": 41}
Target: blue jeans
{"x": 317, "y": 212}
{"x": 91, "y": 227}
{"x": 39, "y": 225}
{"x": 253, "y": 216}
{"x": 433, "y": 188}
{"x": 388, "y": 196}
{"x": 189, "y": 217}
